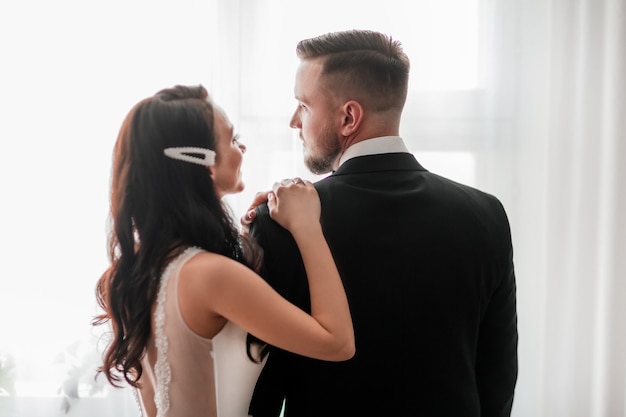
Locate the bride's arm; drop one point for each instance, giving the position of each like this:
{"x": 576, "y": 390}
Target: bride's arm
{"x": 232, "y": 291}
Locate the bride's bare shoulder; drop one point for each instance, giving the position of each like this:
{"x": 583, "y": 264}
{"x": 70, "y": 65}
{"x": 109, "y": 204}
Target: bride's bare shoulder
{"x": 208, "y": 266}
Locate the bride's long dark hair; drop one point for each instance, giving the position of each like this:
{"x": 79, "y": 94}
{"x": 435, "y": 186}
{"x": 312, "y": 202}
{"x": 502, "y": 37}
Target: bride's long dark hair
{"x": 159, "y": 207}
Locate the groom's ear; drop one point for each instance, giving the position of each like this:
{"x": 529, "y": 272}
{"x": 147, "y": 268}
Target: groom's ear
{"x": 351, "y": 117}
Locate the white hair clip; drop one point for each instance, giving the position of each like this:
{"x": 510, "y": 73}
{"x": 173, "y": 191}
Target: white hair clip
{"x": 189, "y": 154}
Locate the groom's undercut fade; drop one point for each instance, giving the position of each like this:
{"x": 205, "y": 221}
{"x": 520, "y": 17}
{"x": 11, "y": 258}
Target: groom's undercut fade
{"x": 362, "y": 64}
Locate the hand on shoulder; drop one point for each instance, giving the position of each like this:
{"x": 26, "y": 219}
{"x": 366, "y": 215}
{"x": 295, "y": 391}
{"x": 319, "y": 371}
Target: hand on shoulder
{"x": 294, "y": 204}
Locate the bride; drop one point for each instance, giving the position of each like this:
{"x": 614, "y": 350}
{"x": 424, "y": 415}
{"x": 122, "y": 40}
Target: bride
{"x": 181, "y": 291}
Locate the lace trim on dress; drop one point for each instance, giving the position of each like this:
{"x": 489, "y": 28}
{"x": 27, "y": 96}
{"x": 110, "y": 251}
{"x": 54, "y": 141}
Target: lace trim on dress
{"x": 136, "y": 395}
{"x": 162, "y": 371}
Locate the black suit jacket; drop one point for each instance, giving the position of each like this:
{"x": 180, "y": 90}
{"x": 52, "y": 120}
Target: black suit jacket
{"x": 427, "y": 264}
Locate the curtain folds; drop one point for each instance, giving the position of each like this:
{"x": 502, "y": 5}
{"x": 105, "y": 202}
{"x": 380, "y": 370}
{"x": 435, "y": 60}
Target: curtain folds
{"x": 573, "y": 345}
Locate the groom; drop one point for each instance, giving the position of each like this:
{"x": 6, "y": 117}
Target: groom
{"x": 427, "y": 263}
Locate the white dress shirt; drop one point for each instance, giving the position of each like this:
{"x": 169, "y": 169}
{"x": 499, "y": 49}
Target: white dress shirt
{"x": 383, "y": 144}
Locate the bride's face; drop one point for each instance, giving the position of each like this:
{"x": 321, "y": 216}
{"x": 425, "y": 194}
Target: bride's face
{"x": 226, "y": 173}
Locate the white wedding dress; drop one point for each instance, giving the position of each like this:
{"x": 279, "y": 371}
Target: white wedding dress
{"x": 235, "y": 373}
{"x": 186, "y": 375}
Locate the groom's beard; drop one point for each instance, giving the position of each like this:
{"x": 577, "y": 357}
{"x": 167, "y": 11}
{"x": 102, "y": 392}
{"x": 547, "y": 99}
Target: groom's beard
{"x": 328, "y": 150}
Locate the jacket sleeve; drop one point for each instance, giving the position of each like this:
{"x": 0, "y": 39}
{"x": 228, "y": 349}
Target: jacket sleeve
{"x": 284, "y": 271}
{"x": 282, "y": 264}
{"x": 497, "y": 362}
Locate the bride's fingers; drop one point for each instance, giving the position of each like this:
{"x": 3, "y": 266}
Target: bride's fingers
{"x": 287, "y": 182}
{"x": 271, "y": 200}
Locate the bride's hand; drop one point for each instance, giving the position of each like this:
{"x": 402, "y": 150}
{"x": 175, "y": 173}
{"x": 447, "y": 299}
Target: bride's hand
{"x": 247, "y": 219}
{"x": 294, "y": 203}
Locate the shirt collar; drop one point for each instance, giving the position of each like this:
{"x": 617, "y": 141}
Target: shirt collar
{"x": 383, "y": 144}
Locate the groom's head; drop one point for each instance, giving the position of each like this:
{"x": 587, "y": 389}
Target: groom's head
{"x": 350, "y": 86}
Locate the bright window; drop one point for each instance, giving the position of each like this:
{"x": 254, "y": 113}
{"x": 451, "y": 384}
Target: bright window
{"x": 443, "y": 39}
{"x": 73, "y": 69}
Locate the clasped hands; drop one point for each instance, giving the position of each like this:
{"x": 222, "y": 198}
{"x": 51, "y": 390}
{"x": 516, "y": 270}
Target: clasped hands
{"x": 263, "y": 196}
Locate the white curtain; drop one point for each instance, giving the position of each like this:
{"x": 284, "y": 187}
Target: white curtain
{"x": 568, "y": 218}
{"x": 522, "y": 98}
